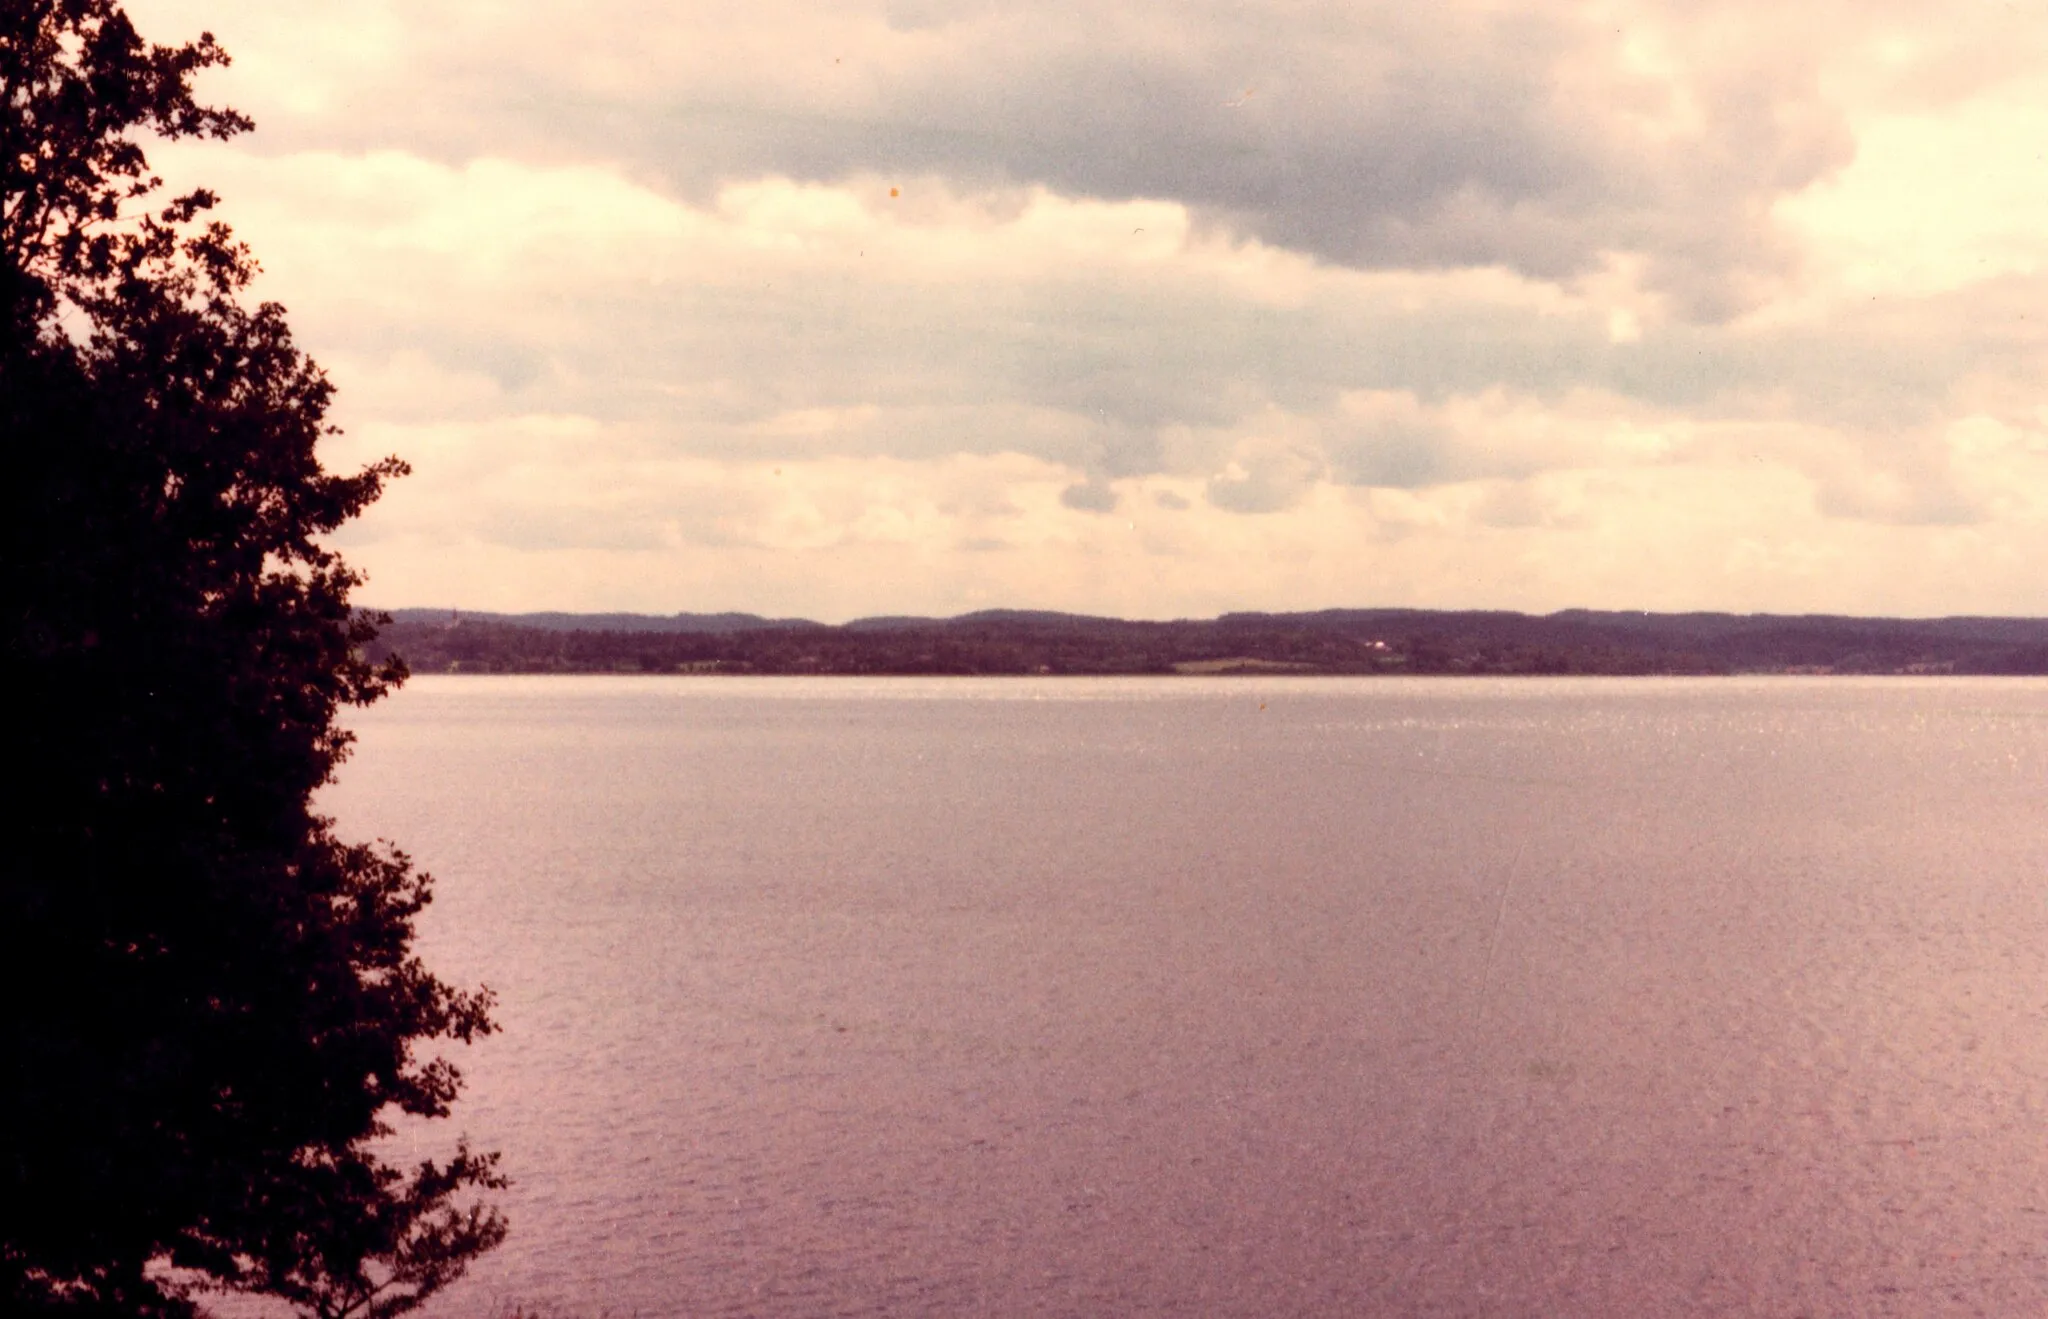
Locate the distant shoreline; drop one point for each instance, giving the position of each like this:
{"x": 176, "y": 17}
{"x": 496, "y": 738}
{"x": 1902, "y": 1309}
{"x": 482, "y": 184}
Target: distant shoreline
{"x": 1361, "y": 642}
{"x": 1247, "y": 674}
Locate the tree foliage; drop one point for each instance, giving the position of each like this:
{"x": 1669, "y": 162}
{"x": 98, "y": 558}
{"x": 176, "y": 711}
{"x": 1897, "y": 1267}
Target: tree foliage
{"x": 213, "y": 1007}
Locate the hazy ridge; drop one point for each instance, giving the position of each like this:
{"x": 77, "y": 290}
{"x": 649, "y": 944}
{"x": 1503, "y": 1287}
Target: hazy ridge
{"x": 1351, "y": 641}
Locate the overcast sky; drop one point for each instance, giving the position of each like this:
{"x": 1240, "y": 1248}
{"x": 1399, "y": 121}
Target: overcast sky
{"x": 1162, "y": 309}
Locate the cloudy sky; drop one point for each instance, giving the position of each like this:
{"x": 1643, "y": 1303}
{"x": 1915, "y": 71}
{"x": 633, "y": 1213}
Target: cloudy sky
{"x": 1163, "y": 309}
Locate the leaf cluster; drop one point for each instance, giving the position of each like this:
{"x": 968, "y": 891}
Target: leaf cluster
{"x": 212, "y": 1001}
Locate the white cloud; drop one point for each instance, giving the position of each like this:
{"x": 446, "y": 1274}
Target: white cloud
{"x": 1878, "y": 228}
{"x": 889, "y": 307}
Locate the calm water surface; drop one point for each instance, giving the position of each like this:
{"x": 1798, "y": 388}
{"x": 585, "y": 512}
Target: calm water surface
{"x": 1243, "y": 997}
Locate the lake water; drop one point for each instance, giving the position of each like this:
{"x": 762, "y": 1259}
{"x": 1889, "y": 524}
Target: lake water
{"x": 1242, "y": 996}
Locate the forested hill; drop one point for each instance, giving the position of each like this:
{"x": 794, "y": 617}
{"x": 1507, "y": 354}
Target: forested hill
{"x": 1390, "y": 641}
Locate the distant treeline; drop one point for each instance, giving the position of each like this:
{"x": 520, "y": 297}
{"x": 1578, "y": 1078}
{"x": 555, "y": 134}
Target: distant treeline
{"x": 1338, "y": 641}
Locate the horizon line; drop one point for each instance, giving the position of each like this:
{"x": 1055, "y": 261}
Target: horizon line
{"x": 1012, "y": 611}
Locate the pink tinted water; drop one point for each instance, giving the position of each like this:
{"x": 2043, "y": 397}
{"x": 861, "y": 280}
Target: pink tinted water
{"x": 1243, "y": 997}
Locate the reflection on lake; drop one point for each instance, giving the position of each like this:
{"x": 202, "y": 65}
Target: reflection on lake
{"x": 1243, "y": 997}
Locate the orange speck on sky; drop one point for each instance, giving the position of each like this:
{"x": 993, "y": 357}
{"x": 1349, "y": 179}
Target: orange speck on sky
{"x": 893, "y": 192}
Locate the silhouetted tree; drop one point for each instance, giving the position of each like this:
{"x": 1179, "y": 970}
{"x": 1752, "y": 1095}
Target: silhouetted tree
{"x": 211, "y": 1003}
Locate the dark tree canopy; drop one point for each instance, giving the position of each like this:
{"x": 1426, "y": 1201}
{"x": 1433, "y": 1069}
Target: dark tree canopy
{"x": 212, "y": 1006}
